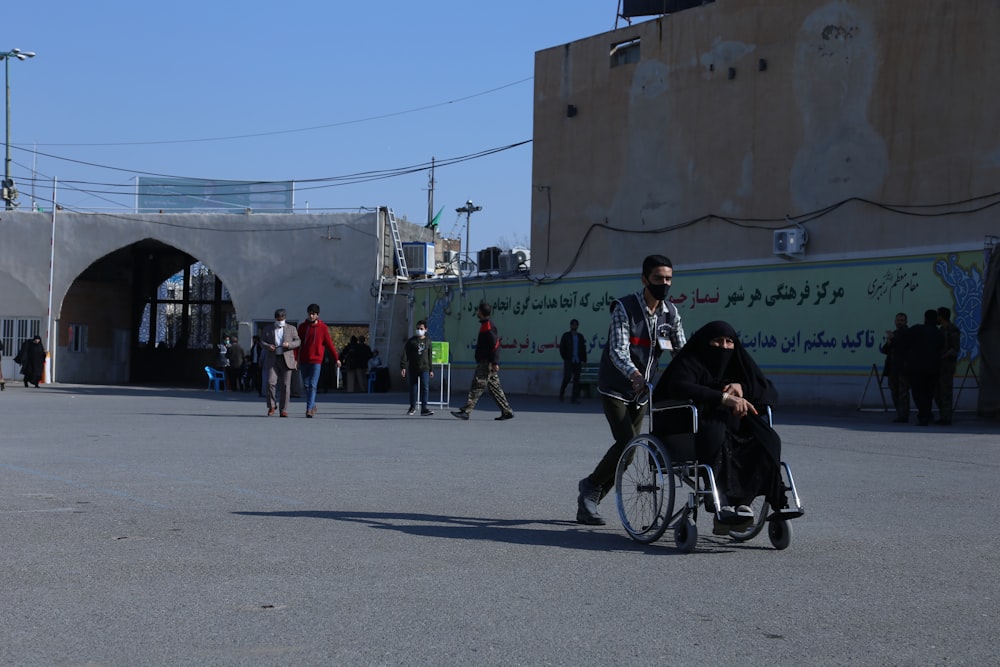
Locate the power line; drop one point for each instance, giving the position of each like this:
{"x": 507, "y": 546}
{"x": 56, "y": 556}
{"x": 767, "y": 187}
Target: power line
{"x": 325, "y": 126}
{"x": 317, "y": 183}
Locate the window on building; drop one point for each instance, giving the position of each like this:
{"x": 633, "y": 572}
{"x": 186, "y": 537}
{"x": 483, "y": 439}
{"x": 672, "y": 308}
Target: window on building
{"x": 625, "y": 53}
{"x": 77, "y": 338}
{"x": 16, "y": 330}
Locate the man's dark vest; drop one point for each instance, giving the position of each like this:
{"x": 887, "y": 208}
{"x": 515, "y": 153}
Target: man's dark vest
{"x": 643, "y": 348}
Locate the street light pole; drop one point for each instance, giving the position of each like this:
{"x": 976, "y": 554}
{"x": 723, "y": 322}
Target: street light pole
{"x": 9, "y": 192}
{"x": 468, "y": 210}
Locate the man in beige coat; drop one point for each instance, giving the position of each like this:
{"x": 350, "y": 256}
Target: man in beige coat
{"x": 278, "y": 342}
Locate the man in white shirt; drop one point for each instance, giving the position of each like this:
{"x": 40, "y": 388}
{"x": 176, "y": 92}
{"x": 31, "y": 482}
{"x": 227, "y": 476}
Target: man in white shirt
{"x": 279, "y": 342}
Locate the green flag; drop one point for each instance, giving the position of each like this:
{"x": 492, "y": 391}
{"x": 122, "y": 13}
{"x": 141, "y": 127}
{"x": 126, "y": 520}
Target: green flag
{"x": 433, "y": 224}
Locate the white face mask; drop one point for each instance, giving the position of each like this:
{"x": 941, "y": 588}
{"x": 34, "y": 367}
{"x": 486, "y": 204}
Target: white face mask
{"x": 279, "y": 323}
{"x": 421, "y": 332}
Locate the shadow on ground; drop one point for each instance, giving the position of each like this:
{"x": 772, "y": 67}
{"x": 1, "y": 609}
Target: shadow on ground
{"x": 535, "y": 532}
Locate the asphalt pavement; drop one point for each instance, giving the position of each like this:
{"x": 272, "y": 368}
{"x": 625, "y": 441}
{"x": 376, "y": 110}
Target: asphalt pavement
{"x": 147, "y": 526}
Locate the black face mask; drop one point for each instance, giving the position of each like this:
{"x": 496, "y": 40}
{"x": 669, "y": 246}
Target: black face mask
{"x": 716, "y": 361}
{"x": 658, "y": 292}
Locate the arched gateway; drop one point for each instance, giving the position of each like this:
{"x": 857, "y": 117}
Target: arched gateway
{"x": 142, "y": 298}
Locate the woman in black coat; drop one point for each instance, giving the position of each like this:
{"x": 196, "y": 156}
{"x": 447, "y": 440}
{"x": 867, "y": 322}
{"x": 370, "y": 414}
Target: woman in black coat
{"x": 715, "y": 372}
{"x": 31, "y": 357}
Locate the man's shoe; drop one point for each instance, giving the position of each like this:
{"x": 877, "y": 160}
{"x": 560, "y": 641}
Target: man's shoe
{"x": 426, "y": 413}
{"x": 943, "y": 422}
{"x": 411, "y": 411}
{"x": 509, "y": 415}
{"x": 586, "y": 504}
{"x": 284, "y": 413}
{"x": 562, "y": 398}
{"x": 720, "y": 528}
{"x": 270, "y": 411}
{"x": 575, "y": 401}
{"x": 588, "y": 519}
{"x": 899, "y": 420}
{"x": 460, "y": 414}
{"x": 730, "y": 515}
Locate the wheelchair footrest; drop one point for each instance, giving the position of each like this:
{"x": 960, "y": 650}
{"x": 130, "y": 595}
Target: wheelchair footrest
{"x": 786, "y": 514}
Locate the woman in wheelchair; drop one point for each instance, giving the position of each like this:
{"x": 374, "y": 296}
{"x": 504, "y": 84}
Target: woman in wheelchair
{"x": 716, "y": 373}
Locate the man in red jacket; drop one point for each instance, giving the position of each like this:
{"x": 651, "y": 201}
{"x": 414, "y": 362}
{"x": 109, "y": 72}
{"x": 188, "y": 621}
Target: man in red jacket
{"x": 315, "y": 336}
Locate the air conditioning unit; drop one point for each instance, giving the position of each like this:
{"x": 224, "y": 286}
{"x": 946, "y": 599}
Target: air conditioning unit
{"x": 489, "y": 259}
{"x": 419, "y": 258}
{"x": 790, "y": 241}
{"x": 522, "y": 259}
{"x": 517, "y": 260}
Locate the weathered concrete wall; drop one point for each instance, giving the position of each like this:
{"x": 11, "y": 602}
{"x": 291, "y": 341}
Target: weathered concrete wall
{"x": 751, "y": 110}
{"x": 266, "y": 261}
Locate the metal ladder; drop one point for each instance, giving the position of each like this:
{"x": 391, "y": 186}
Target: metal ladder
{"x": 385, "y": 301}
{"x": 404, "y": 273}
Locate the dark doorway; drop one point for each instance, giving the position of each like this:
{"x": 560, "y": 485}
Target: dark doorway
{"x": 153, "y": 315}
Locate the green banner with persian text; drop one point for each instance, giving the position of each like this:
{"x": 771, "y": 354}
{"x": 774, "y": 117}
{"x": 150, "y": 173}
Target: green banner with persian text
{"x": 820, "y": 317}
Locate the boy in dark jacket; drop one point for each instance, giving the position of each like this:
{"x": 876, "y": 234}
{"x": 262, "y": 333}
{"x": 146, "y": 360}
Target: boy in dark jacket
{"x": 415, "y": 367}
{"x": 487, "y": 375}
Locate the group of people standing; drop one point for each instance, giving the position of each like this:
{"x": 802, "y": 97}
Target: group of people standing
{"x": 355, "y": 358}
{"x": 232, "y": 361}
{"x": 920, "y": 361}
{"x": 284, "y": 348}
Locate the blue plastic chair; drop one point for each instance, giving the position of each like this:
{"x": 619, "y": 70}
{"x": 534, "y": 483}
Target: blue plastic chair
{"x": 216, "y": 379}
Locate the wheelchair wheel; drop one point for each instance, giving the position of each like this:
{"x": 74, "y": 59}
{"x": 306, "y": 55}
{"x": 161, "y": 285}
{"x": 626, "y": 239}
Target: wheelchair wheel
{"x": 780, "y": 532}
{"x": 760, "y": 510}
{"x": 686, "y": 534}
{"x": 644, "y": 489}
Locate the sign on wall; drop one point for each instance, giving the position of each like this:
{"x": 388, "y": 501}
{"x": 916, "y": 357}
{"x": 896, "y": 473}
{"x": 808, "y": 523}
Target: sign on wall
{"x": 196, "y": 194}
{"x": 822, "y": 317}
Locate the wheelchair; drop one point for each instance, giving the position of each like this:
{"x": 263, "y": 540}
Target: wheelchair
{"x": 659, "y": 469}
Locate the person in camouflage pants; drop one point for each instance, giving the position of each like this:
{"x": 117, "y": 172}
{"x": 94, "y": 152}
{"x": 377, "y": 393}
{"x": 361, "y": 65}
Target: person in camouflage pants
{"x": 487, "y": 374}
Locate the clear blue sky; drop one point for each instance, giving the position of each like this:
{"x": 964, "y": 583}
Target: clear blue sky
{"x": 328, "y": 88}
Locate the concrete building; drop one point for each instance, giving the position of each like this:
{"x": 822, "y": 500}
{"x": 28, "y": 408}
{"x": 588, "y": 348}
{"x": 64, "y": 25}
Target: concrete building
{"x": 811, "y": 166}
{"x": 705, "y": 128}
{"x": 106, "y": 273}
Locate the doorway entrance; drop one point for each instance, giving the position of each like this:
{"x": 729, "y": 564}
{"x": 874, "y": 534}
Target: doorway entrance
{"x": 152, "y": 315}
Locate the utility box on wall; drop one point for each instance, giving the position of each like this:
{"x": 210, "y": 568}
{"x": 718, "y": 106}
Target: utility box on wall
{"x": 790, "y": 241}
